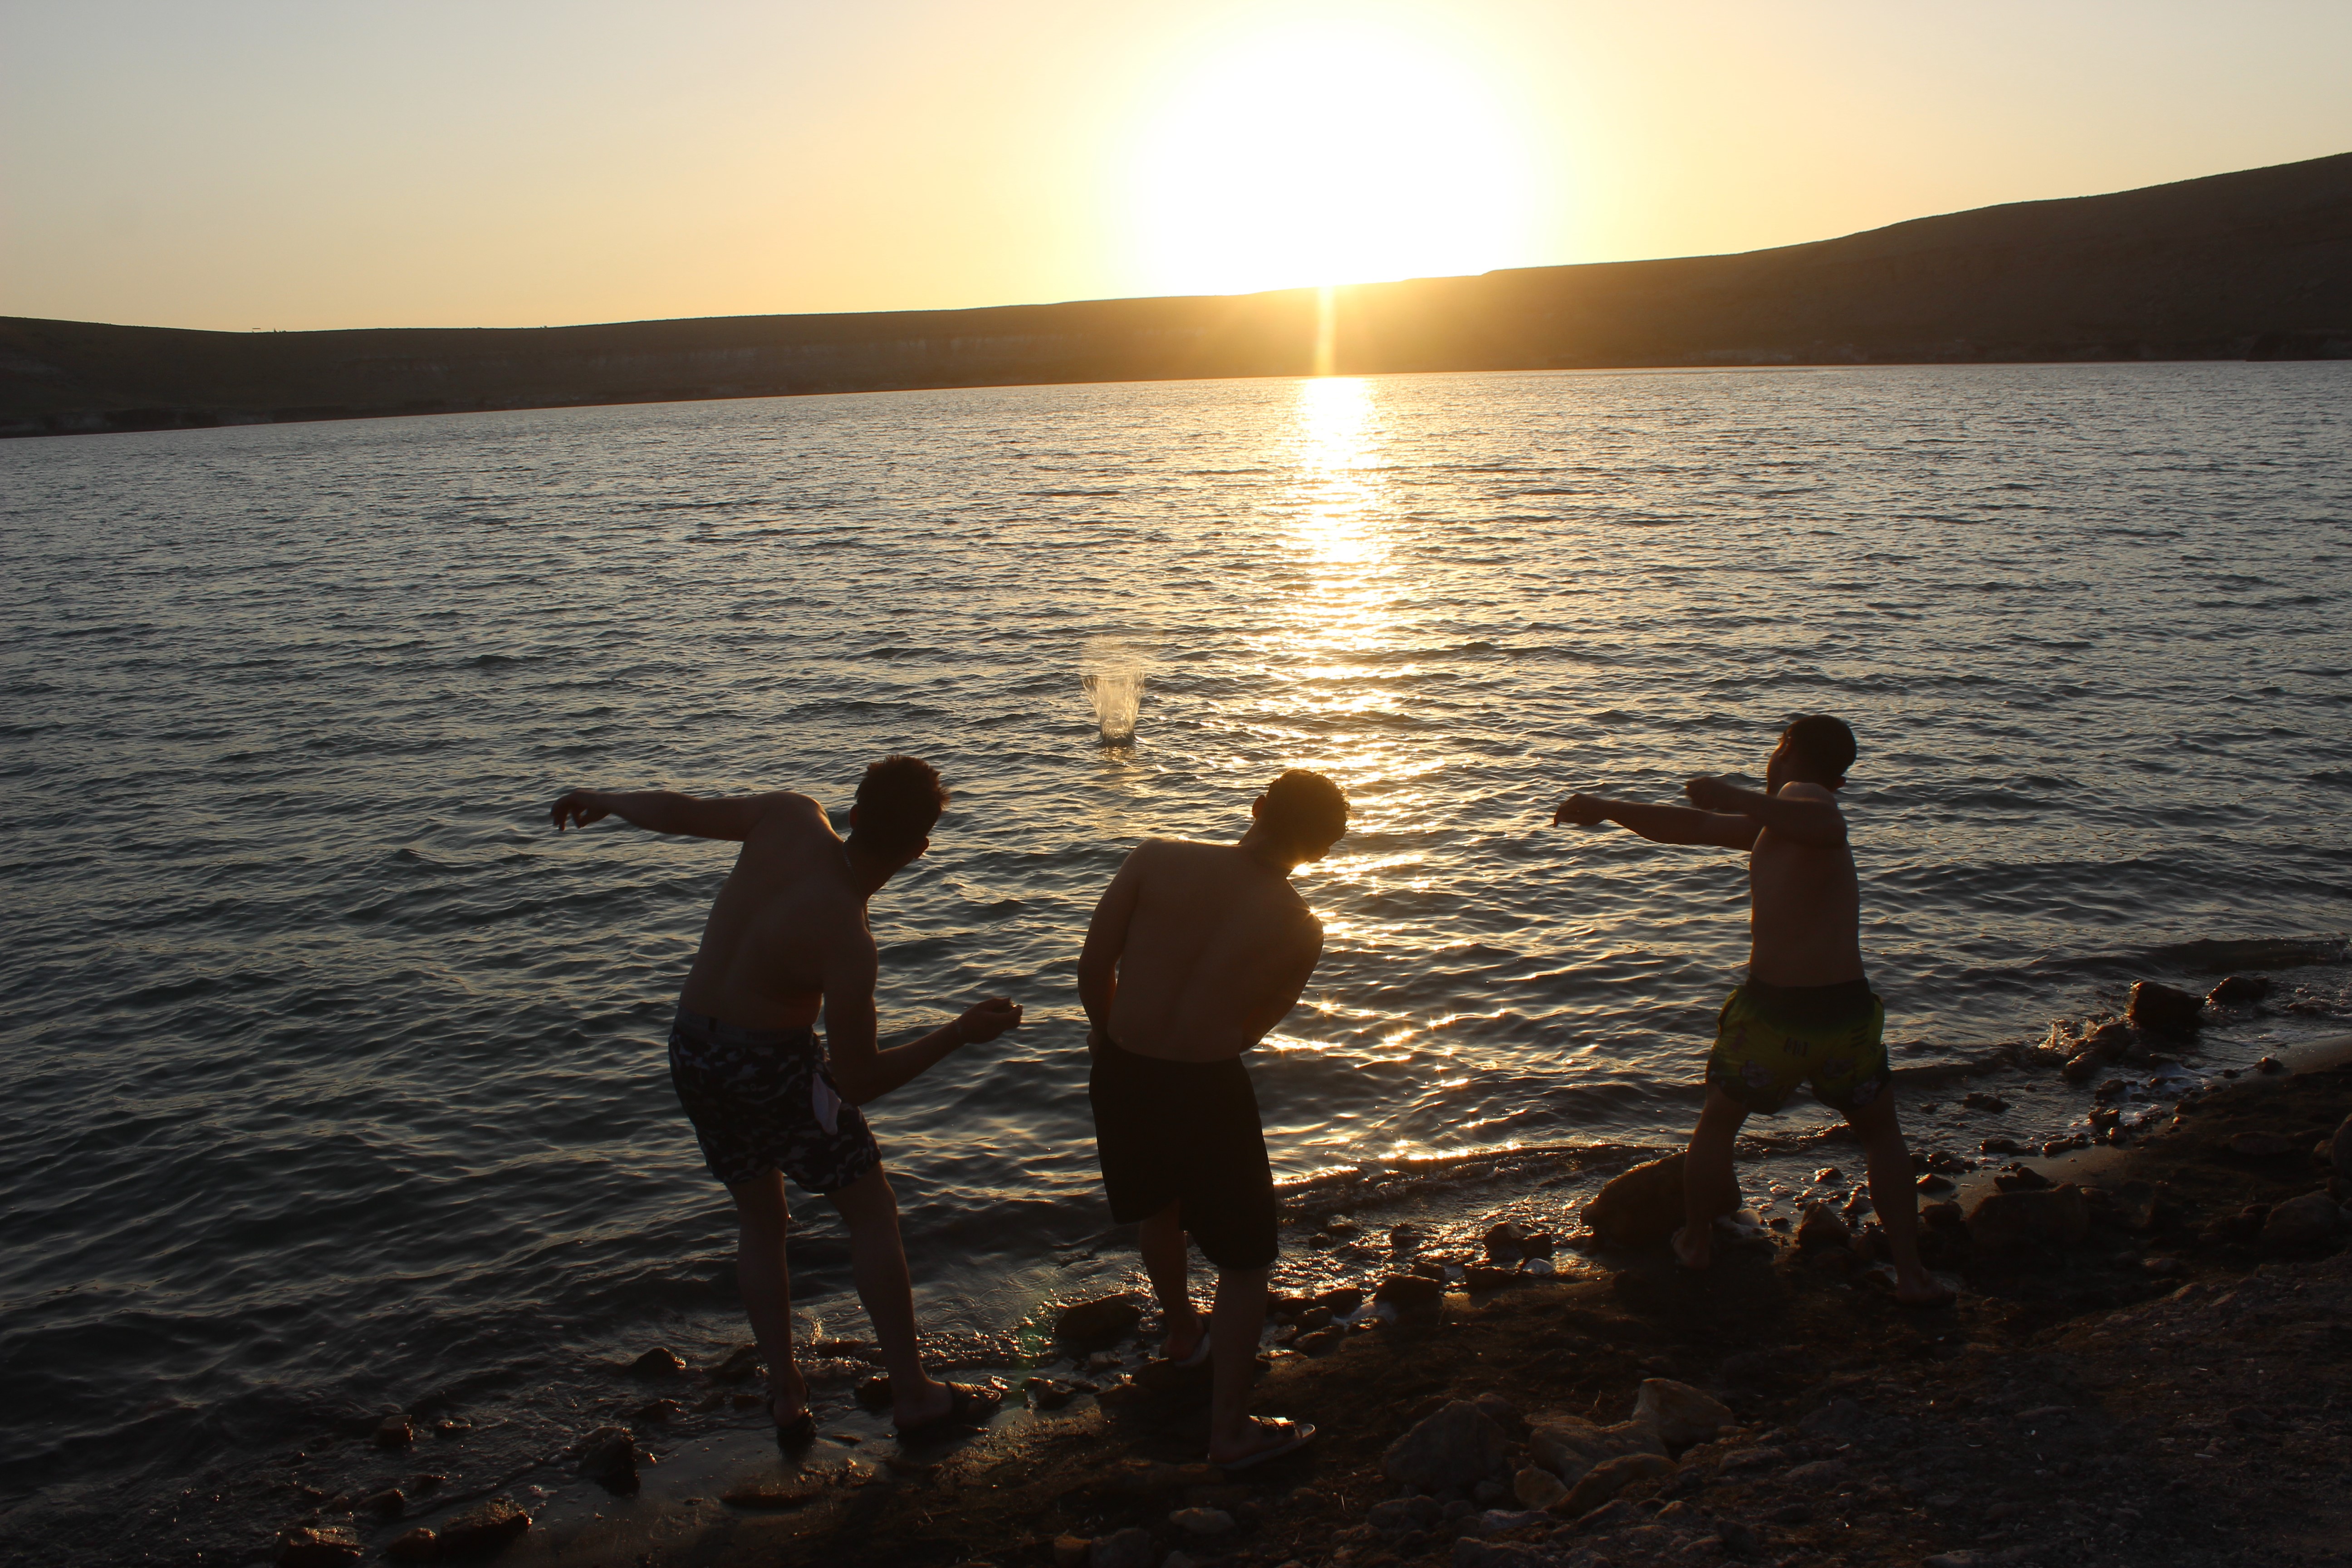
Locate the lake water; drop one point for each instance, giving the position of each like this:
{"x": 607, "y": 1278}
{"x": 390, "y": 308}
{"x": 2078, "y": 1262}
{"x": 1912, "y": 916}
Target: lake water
{"x": 329, "y": 1077}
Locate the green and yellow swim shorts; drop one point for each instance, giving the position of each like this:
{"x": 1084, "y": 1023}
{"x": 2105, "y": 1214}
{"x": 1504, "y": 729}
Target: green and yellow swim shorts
{"x": 1770, "y": 1038}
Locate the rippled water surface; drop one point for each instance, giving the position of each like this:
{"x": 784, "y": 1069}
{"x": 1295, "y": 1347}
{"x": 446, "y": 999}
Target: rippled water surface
{"x": 332, "y": 1075}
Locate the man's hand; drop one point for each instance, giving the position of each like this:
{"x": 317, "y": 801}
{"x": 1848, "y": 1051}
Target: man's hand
{"x": 988, "y": 1019}
{"x": 1583, "y": 810}
{"x": 1709, "y": 794}
{"x": 580, "y": 808}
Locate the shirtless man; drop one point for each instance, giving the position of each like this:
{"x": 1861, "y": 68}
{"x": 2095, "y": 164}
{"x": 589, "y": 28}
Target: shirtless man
{"x": 1806, "y": 1012}
{"x": 1195, "y": 951}
{"x": 786, "y": 939}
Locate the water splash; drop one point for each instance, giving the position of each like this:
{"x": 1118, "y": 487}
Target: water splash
{"x": 1111, "y": 673}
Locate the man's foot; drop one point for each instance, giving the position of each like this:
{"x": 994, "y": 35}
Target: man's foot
{"x": 1694, "y": 1254}
{"x": 1917, "y": 1287}
{"x": 1187, "y": 1344}
{"x": 938, "y": 1407}
{"x": 788, "y": 1402}
{"x": 1260, "y": 1440}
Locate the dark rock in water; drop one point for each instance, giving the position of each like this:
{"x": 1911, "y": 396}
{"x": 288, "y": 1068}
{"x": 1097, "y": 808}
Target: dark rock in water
{"x": 2269, "y": 1064}
{"x": 1341, "y": 1299}
{"x": 1487, "y": 1277}
{"x": 2163, "y": 1009}
{"x": 1645, "y": 1205}
{"x": 1976, "y": 1099}
{"x": 609, "y": 1458}
{"x": 2021, "y": 1179}
{"x": 2111, "y": 1040}
{"x": 1502, "y": 1241}
{"x": 652, "y": 1413}
{"x": 1457, "y": 1447}
{"x": 1429, "y": 1268}
{"x": 2298, "y": 1222}
{"x": 1045, "y": 1394}
{"x": 1538, "y": 1244}
{"x": 874, "y": 1394}
{"x": 394, "y": 1432}
{"x": 2001, "y": 1146}
{"x": 317, "y": 1546}
{"x": 740, "y": 1363}
{"x": 1819, "y": 1227}
{"x": 1411, "y": 1292}
{"x": 2008, "y": 1221}
{"x": 658, "y": 1362}
{"x": 1404, "y": 1237}
{"x": 418, "y": 1545}
{"x": 2082, "y": 1066}
{"x": 2239, "y": 990}
{"x": 483, "y": 1528}
{"x": 389, "y": 1503}
{"x": 2109, "y": 1089}
{"x": 1099, "y": 1321}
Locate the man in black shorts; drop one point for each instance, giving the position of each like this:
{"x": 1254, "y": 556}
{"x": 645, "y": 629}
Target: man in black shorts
{"x": 786, "y": 939}
{"x": 1195, "y": 951}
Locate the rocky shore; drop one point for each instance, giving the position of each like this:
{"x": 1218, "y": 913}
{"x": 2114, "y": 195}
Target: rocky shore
{"x": 2146, "y": 1367}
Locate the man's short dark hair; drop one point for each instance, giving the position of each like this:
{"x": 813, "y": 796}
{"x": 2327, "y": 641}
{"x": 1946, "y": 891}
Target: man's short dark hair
{"x": 1305, "y": 811}
{"x": 898, "y": 803}
{"x": 1826, "y": 744}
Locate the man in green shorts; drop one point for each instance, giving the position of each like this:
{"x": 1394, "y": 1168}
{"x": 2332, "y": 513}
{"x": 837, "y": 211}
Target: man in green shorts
{"x": 1806, "y": 1013}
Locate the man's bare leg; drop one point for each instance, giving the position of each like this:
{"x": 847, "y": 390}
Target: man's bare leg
{"x": 1236, "y": 1323}
{"x": 761, "y": 1220}
{"x": 1706, "y": 1175}
{"x": 877, "y": 1262}
{"x": 1161, "y": 1239}
{"x": 1897, "y": 1199}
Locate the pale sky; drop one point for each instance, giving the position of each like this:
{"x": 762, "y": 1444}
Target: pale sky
{"x": 239, "y": 165}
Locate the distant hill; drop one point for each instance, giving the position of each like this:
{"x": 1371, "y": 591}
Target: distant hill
{"x": 2256, "y": 264}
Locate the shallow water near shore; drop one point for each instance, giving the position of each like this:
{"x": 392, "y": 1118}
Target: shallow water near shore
{"x": 334, "y": 1078}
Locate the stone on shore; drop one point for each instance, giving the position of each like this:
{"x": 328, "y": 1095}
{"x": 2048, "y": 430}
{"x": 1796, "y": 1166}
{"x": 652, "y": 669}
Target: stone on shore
{"x": 483, "y": 1528}
{"x": 1469, "y": 1551}
{"x": 418, "y": 1545}
{"x": 317, "y": 1546}
{"x": 1411, "y": 1292}
{"x": 2298, "y": 1222}
{"x": 1645, "y": 1205}
{"x": 1099, "y": 1322}
{"x": 1537, "y": 1488}
{"x": 1070, "y": 1551}
{"x": 608, "y": 1456}
{"x": 2163, "y": 1009}
{"x": 2082, "y": 1066}
{"x": 740, "y": 1363}
{"x": 1680, "y": 1414}
{"x": 658, "y": 1362}
{"x": 1453, "y": 1449}
{"x": 389, "y": 1503}
{"x": 1402, "y": 1515}
{"x": 1822, "y": 1227}
{"x": 2056, "y": 1216}
{"x": 1609, "y": 1478}
{"x": 1202, "y": 1522}
{"x": 2239, "y": 990}
{"x": 1128, "y": 1548}
{"x": 394, "y": 1432}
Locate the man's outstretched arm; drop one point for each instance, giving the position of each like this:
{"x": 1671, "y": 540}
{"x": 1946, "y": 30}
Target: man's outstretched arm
{"x": 1660, "y": 823}
{"x": 1807, "y": 812}
{"x": 670, "y": 811}
{"x": 861, "y": 1069}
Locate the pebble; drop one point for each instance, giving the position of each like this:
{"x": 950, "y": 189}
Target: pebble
{"x": 658, "y": 1362}
{"x": 394, "y": 1432}
{"x": 1128, "y": 1548}
{"x": 1105, "y": 1318}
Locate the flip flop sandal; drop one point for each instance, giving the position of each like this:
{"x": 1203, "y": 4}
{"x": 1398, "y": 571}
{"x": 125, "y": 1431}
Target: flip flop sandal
{"x": 1301, "y": 1434}
{"x": 967, "y": 1407}
{"x": 1199, "y": 1357}
{"x": 796, "y": 1434}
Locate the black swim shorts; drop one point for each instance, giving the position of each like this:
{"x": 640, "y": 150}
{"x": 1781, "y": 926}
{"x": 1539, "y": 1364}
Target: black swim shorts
{"x": 761, "y": 1101}
{"x": 1186, "y": 1132}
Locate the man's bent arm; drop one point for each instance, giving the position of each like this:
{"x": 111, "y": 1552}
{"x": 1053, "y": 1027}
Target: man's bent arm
{"x": 669, "y": 810}
{"x": 861, "y": 1070}
{"x": 1107, "y": 940}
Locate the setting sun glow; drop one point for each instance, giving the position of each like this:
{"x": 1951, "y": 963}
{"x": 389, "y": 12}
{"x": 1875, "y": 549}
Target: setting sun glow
{"x": 1325, "y": 154}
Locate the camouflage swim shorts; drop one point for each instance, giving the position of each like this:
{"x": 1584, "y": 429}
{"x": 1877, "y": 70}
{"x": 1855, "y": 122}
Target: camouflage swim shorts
{"x": 1770, "y": 1038}
{"x": 761, "y": 1101}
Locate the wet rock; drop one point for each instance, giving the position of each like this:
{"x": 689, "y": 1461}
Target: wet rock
{"x": 317, "y": 1546}
{"x": 1645, "y": 1205}
{"x": 2000, "y": 1146}
{"x": 2239, "y": 990}
{"x": 483, "y": 1528}
{"x": 394, "y": 1432}
{"x": 1680, "y": 1414}
{"x": 1130, "y": 1548}
{"x": 1318, "y": 1342}
{"x": 2081, "y": 1066}
{"x": 2163, "y": 1009}
{"x": 1536, "y": 1488}
{"x": 1457, "y": 1447}
{"x": 656, "y": 1412}
{"x": 2021, "y": 1179}
{"x": 1411, "y": 1292}
{"x": 1822, "y": 1227}
{"x": 2269, "y": 1064}
{"x": 658, "y": 1362}
{"x": 1428, "y": 1269}
{"x": 1978, "y": 1099}
{"x": 417, "y": 1545}
{"x": 1045, "y": 1394}
{"x": 1606, "y": 1480}
{"x": 2008, "y": 1221}
{"x": 1502, "y": 1242}
{"x": 1947, "y": 1216}
{"x": 1099, "y": 1322}
{"x": 740, "y": 1363}
{"x": 1400, "y": 1516}
{"x": 389, "y": 1503}
{"x": 1070, "y": 1551}
{"x": 1202, "y": 1522}
{"x": 874, "y": 1393}
{"x": 1487, "y": 1277}
{"x": 608, "y": 1456}
{"x": 2111, "y": 1041}
{"x": 2298, "y": 1222}
{"x": 1341, "y": 1299}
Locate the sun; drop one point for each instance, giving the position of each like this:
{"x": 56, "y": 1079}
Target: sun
{"x": 1329, "y": 154}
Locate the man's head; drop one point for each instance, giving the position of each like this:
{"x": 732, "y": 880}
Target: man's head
{"x": 1817, "y": 748}
{"x": 1302, "y": 814}
{"x": 898, "y": 802}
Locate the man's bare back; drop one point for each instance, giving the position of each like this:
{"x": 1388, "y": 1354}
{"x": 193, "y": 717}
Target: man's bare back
{"x": 1217, "y": 946}
{"x": 790, "y": 901}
